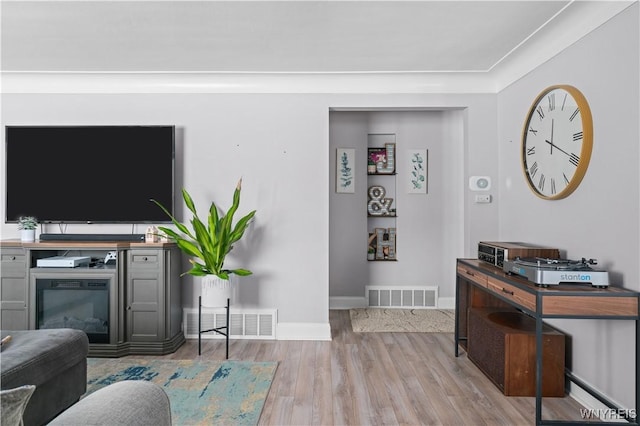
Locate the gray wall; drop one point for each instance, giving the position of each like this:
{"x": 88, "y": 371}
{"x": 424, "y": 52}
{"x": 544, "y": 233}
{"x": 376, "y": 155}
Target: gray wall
{"x": 279, "y": 145}
{"x": 601, "y": 218}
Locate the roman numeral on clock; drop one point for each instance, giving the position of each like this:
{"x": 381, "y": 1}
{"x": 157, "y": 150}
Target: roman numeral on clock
{"x": 533, "y": 169}
{"x": 531, "y": 151}
{"x": 552, "y": 101}
{"x": 574, "y": 159}
{"x": 553, "y": 185}
{"x": 541, "y": 182}
{"x": 574, "y": 114}
{"x": 532, "y": 130}
{"x": 540, "y": 113}
{"x": 577, "y": 136}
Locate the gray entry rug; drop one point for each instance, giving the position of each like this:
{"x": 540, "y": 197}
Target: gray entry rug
{"x": 402, "y": 320}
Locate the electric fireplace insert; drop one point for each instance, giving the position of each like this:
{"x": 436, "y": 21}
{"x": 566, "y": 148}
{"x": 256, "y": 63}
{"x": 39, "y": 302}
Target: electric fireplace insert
{"x": 82, "y": 304}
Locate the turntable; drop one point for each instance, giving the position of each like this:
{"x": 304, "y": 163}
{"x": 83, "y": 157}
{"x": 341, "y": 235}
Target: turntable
{"x": 545, "y": 272}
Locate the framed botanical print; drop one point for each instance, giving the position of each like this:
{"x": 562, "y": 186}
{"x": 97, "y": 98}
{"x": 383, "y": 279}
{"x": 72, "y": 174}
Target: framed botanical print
{"x": 345, "y": 167}
{"x": 416, "y": 171}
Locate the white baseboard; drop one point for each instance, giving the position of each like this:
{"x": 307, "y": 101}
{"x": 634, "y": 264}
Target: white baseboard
{"x": 594, "y": 405}
{"x": 361, "y": 302}
{"x": 347, "y": 302}
{"x": 446, "y": 303}
{"x": 303, "y": 331}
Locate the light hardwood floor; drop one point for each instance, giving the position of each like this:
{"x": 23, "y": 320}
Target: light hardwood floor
{"x": 378, "y": 379}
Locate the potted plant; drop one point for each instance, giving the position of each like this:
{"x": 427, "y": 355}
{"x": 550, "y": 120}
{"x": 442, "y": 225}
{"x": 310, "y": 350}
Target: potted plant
{"x": 371, "y": 253}
{"x": 208, "y": 243}
{"x": 27, "y": 226}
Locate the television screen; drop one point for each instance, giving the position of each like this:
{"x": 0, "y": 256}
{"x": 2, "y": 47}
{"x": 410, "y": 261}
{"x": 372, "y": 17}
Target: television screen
{"x": 89, "y": 174}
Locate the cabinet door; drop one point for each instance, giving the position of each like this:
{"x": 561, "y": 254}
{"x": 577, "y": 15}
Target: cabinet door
{"x": 14, "y": 291}
{"x": 145, "y": 296}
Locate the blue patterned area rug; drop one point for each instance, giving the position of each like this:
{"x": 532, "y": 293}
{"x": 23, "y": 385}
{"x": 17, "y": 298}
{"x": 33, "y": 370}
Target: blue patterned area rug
{"x": 200, "y": 392}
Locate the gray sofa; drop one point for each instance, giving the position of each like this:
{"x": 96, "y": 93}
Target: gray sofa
{"x": 132, "y": 402}
{"x": 55, "y": 362}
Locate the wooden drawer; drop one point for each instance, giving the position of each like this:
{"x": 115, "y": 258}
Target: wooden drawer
{"x": 142, "y": 259}
{"x": 472, "y": 275}
{"x": 521, "y": 297}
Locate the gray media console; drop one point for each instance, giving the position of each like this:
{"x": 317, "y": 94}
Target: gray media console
{"x": 128, "y": 305}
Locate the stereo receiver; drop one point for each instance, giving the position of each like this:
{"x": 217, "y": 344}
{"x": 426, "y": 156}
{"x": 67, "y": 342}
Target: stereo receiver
{"x": 496, "y": 253}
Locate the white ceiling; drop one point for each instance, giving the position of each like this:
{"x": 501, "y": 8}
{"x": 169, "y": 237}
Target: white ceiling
{"x": 268, "y": 36}
{"x": 300, "y": 37}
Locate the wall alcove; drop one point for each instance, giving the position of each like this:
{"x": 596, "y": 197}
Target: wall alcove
{"x": 429, "y": 226}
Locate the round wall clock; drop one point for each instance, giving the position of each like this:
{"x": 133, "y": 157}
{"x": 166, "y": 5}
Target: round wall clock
{"x": 556, "y": 142}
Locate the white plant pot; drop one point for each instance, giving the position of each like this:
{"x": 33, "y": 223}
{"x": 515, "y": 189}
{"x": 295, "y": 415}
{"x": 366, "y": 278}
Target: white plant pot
{"x": 28, "y": 235}
{"x": 215, "y": 291}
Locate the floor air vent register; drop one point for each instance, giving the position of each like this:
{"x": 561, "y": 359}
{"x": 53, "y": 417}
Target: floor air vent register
{"x": 247, "y": 324}
{"x": 402, "y": 297}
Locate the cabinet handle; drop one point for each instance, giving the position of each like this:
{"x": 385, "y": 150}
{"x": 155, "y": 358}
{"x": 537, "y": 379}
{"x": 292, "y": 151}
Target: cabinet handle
{"x": 13, "y": 258}
{"x": 145, "y": 258}
{"x": 504, "y": 290}
{"x": 470, "y": 273}
{"x": 128, "y": 308}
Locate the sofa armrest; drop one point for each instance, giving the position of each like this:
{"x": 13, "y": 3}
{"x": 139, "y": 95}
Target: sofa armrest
{"x": 123, "y": 403}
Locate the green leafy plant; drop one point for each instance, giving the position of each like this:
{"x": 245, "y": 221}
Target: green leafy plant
{"x": 27, "y": 222}
{"x": 209, "y": 242}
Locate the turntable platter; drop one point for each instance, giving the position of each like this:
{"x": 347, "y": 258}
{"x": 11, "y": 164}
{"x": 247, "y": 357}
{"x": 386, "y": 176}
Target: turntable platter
{"x": 554, "y": 264}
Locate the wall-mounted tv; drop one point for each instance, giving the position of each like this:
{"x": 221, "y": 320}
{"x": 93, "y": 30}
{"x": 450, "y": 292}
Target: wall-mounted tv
{"x": 89, "y": 174}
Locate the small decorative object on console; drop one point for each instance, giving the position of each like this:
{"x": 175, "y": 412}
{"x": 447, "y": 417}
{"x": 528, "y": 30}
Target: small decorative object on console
{"x": 545, "y": 272}
{"x": 151, "y": 236}
{"x": 27, "y": 226}
{"x": 163, "y": 237}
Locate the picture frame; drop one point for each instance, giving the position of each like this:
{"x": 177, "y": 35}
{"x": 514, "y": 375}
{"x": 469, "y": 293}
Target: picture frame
{"x": 417, "y": 169}
{"x": 345, "y": 170}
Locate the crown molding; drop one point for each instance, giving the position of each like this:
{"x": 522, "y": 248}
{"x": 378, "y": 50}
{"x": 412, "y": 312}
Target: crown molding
{"x": 582, "y": 17}
{"x": 128, "y": 82}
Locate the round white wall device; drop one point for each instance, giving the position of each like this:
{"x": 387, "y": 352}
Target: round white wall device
{"x": 479, "y": 183}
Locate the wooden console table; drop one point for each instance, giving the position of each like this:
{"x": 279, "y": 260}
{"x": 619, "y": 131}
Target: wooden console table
{"x": 479, "y": 284}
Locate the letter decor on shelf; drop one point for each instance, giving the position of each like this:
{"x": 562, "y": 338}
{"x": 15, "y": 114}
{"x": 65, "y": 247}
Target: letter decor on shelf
{"x": 378, "y": 205}
{"x": 344, "y": 170}
{"x": 384, "y": 159}
{"x": 385, "y": 243}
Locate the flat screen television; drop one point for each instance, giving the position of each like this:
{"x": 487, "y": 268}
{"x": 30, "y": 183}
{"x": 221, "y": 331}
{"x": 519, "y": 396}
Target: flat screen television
{"x": 89, "y": 174}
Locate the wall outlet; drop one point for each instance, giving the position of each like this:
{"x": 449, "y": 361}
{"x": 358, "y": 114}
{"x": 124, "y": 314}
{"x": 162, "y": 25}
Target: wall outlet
{"x": 483, "y": 199}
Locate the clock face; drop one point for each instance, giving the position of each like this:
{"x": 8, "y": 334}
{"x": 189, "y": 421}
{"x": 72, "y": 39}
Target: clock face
{"x": 556, "y": 142}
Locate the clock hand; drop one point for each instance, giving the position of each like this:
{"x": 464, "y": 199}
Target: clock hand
{"x": 551, "y": 142}
{"x": 557, "y": 147}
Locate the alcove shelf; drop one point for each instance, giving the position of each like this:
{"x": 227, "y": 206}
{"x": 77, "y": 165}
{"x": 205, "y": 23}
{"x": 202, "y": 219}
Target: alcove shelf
{"x": 381, "y": 197}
